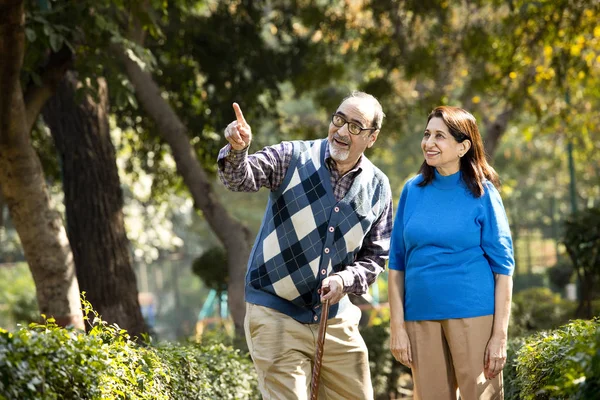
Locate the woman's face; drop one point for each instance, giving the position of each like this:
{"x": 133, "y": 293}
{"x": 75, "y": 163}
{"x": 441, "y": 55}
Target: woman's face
{"x": 440, "y": 149}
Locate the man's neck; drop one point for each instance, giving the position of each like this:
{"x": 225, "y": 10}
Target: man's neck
{"x": 344, "y": 166}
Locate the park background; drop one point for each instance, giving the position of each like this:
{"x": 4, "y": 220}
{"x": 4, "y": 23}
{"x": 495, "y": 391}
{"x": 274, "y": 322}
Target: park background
{"x": 111, "y": 119}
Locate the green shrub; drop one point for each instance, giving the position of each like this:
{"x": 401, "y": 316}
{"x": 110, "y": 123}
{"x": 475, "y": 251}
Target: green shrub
{"x": 538, "y": 308}
{"x": 511, "y": 386}
{"x": 591, "y": 386}
{"x": 49, "y": 362}
{"x": 558, "y": 364}
{"x": 222, "y": 372}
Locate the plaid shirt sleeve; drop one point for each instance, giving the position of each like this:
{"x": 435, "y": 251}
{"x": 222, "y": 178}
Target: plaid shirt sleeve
{"x": 241, "y": 172}
{"x": 370, "y": 261}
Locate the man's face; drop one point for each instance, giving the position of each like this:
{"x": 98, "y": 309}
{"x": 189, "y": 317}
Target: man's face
{"x": 344, "y": 147}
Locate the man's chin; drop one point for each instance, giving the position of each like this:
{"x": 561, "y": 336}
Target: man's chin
{"x": 339, "y": 156}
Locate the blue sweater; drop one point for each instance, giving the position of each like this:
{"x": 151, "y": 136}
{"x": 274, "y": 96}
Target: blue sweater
{"x": 450, "y": 244}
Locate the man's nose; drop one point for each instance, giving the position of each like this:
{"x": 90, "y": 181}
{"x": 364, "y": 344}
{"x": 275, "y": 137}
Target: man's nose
{"x": 344, "y": 130}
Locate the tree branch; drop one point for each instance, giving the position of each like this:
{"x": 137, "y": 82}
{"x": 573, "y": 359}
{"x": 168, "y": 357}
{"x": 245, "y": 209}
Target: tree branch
{"x": 235, "y": 236}
{"x": 496, "y": 128}
{"x": 54, "y": 71}
{"x": 175, "y": 134}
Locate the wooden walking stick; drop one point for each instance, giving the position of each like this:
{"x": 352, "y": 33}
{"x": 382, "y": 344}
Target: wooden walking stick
{"x": 316, "y": 372}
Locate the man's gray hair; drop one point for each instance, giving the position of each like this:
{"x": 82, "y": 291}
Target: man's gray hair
{"x": 379, "y": 114}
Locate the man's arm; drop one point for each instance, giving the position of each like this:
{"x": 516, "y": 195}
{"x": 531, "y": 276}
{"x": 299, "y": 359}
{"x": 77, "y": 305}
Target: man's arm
{"x": 243, "y": 173}
{"x": 370, "y": 261}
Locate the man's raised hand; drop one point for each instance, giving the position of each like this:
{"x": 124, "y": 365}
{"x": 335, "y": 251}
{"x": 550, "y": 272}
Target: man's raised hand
{"x": 238, "y": 133}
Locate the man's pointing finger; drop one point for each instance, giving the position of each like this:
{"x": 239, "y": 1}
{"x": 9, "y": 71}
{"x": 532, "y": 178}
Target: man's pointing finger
{"x": 238, "y": 114}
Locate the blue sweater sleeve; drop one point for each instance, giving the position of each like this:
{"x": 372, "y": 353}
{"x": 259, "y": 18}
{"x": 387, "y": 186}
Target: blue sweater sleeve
{"x": 496, "y": 239}
{"x": 397, "y": 249}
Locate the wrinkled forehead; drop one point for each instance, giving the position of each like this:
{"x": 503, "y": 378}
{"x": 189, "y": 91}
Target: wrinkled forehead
{"x": 357, "y": 109}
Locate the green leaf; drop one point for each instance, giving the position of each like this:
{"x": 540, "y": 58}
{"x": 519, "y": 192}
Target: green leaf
{"x": 56, "y": 41}
{"x": 30, "y": 34}
{"x": 36, "y": 78}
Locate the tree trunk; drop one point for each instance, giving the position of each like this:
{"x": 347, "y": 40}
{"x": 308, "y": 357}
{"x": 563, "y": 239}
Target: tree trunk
{"x": 584, "y": 309}
{"x": 94, "y": 204}
{"x": 39, "y": 226}
{"x": 494, "y": 131}
{"x": 234, "y": 235}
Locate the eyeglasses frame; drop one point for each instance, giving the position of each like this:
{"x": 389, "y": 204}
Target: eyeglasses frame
{"x": 349, "y": 122}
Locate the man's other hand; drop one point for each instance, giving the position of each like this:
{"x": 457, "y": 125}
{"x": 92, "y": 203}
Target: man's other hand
{"x": 332, "y": 288}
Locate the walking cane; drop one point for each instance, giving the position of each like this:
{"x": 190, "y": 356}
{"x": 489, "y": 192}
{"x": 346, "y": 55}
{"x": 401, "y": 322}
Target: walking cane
{"x": 316, "y": 372}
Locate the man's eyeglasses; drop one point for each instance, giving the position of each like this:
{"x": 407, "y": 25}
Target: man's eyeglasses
{"x": 353, "y": 128}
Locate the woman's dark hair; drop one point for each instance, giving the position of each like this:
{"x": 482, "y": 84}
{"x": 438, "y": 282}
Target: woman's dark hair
{"x": 473, "y": 164}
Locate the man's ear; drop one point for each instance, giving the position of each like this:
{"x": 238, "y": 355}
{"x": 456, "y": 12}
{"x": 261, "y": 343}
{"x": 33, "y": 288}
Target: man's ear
{"x": 373, "y": 138}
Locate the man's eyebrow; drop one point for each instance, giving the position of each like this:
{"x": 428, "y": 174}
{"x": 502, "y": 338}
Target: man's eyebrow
{"x": 357, "y": 122}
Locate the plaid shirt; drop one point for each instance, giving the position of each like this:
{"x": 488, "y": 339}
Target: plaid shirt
{"x": 248, "y": 173}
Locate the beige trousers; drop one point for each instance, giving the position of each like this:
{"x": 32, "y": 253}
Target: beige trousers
{"x": 448, "y": 355}
{"x": 283, "y": 352}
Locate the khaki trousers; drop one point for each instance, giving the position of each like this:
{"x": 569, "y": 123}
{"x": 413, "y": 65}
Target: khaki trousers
{"x": 283, "y": 352}
{"x": 449, "y": 355}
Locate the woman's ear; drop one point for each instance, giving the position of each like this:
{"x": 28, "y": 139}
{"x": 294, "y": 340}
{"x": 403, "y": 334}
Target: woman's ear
{"x": 466, "y": 146}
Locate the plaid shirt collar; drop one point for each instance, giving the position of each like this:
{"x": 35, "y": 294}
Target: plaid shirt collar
{"x": 330, "y": 162}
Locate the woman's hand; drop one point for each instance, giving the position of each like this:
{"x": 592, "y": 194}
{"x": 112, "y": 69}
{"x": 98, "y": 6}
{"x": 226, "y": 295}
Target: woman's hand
{"x": 495, "y": 356}
{"x": 400, "y": 346}
{"x": 495, "y": 352}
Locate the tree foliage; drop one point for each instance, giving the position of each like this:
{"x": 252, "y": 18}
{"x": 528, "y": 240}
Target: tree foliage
{"x": 211, "y": 268}
{"x": 528, "y": 70}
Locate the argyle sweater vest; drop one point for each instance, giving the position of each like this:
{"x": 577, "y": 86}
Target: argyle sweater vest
{"x": 306, "y": 234}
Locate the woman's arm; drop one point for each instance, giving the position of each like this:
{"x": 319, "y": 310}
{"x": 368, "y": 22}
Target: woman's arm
{"x": 399, "y": 341}
{"x": 495, "y": 354}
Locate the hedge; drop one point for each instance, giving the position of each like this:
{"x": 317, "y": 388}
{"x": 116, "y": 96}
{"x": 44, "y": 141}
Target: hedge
{"x": 44, "y": 361}
{"x": 49, "y": 362}
{"x": 563, "y": 363}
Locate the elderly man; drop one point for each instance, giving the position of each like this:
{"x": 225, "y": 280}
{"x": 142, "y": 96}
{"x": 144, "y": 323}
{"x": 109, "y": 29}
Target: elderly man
{"x": 327, "y": 225}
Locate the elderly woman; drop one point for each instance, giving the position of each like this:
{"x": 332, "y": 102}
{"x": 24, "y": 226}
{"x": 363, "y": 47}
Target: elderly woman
{"x": 451, "y": 262}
